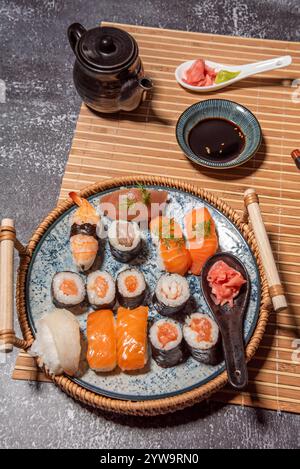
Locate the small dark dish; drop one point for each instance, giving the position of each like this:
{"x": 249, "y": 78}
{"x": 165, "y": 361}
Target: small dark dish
{"x": 230, "y": 320}
{"x": 222, "y": 110}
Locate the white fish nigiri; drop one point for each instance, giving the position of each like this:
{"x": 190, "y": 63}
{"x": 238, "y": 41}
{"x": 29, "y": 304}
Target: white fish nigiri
{"x": 57, "y": 342}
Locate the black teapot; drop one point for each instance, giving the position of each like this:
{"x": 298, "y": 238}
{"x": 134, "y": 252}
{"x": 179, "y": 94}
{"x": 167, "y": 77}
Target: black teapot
{"x": 108, "y": 72}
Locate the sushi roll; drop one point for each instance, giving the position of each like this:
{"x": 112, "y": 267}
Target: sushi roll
{"x": 68, "y": 290}
{"x": 171, "y": 294}
{"x": 86, "y": 229}
{"x": 101, "y": 290}
{"x": 131, "y": 287}
{"x": 102, "y": 341}
{"x": 202, "y": 337}
{"x": 166, "y": 342}
{"x": 124, "y": 240}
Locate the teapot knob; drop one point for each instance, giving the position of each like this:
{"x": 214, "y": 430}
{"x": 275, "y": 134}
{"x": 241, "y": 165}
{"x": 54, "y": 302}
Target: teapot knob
{"x": 75, "y": 31}
{"x": 107, "y": 45}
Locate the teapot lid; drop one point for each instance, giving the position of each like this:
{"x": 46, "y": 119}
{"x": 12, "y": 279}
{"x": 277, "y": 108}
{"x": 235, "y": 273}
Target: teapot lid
{"x": 107, "y": 49}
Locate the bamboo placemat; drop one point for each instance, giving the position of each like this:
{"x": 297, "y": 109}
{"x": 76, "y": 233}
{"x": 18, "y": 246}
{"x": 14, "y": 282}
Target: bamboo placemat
{"x": 143, "y": 142}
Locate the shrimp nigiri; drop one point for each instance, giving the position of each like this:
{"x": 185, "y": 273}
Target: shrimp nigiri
{"x": 173, "y": 253}
{"x": 85, "y": 230}
{"x": 202, "y": 237}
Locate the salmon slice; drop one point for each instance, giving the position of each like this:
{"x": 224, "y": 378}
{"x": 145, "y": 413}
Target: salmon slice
{"x": 202, "y": 237}
{"x": 202, "y": 326}
{"x": 137, "y": 203}
{"x": 101, "y": 287}
{"x": 167, "y": 332}
{"x": 167, "y": 233}
{"x": 165, "y": 227}
{"x": 102, "y": 342}
{"x": 132, "y": 351}
{"x": 175, "y": 256}
{"x": 69, "y": 287}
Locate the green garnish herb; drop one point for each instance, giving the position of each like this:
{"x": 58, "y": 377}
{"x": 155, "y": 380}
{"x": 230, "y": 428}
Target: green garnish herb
{"x": 167, "y": 233}
{"x": 225, "y": 75}
{"x": 146, "y": 195}
{"x": 202, "y": 229}
{"x": 166, "y": 230}
{"x": 167, "y": 241}
{"x": 127, "y": 203}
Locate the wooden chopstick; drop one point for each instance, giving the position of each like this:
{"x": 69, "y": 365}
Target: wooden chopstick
{"x": 275, "y": 287}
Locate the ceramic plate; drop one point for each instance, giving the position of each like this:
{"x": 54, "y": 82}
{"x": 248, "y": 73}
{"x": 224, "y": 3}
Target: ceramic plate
{"x": 224, "y": 109}
{"x": 53, "y": 254}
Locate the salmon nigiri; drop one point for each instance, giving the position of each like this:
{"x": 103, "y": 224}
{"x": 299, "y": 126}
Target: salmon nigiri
{"x": 202, "y": 237}
{"x": 175, "y": 256}
{"x": 132, "y": 353}
{"x": 102, "y": 342}
{"x": 173, "y": 253}
{"x": 163, "y": 227}
{"x": 85, "y": 229}
{"x": 139, "y": 203}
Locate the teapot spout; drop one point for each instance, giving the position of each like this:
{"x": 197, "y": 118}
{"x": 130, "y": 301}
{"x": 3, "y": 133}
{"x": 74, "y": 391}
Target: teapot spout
{"x": 75, "y": 31}
{"x": 145, "y": 83}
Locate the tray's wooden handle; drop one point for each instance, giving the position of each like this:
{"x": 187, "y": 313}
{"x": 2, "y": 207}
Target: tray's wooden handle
{"x": 8, "y": 241}
{"x": 266, "y": 254}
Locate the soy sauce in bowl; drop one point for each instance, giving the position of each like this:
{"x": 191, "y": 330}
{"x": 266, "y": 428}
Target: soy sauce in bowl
{"x": 216, "y": 139}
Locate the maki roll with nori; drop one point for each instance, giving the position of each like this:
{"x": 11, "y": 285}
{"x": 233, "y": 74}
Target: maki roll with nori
{"x": 171, "y": 294}
{"x": 124, "y": 240}
{"x": 131, "y": 287}
{"x": 202, "y": 336}
{"x": 86, "y": 229}
{"x": 68, "y": 290}
{"x": 101, "y": 290}
{"x": 166, "y": 343}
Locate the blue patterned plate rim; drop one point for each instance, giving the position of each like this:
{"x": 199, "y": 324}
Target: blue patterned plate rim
{"x": 201, "y": 161}
{"x": 112, "y": 394}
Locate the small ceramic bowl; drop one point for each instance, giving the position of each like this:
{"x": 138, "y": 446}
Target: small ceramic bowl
{"x": 224, "y": 109}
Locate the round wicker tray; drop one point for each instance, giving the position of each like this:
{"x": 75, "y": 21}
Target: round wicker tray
{"x": 157, "y": 406}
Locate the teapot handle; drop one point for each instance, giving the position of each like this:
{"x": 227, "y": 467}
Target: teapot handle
{"x": 75, "y": 31}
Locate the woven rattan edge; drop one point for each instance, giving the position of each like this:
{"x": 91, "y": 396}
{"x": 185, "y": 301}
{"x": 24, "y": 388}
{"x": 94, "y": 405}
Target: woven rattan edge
{"x": 157, "y": 406}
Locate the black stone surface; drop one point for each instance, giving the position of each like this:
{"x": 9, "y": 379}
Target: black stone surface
{"x": 37, "y": 122}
